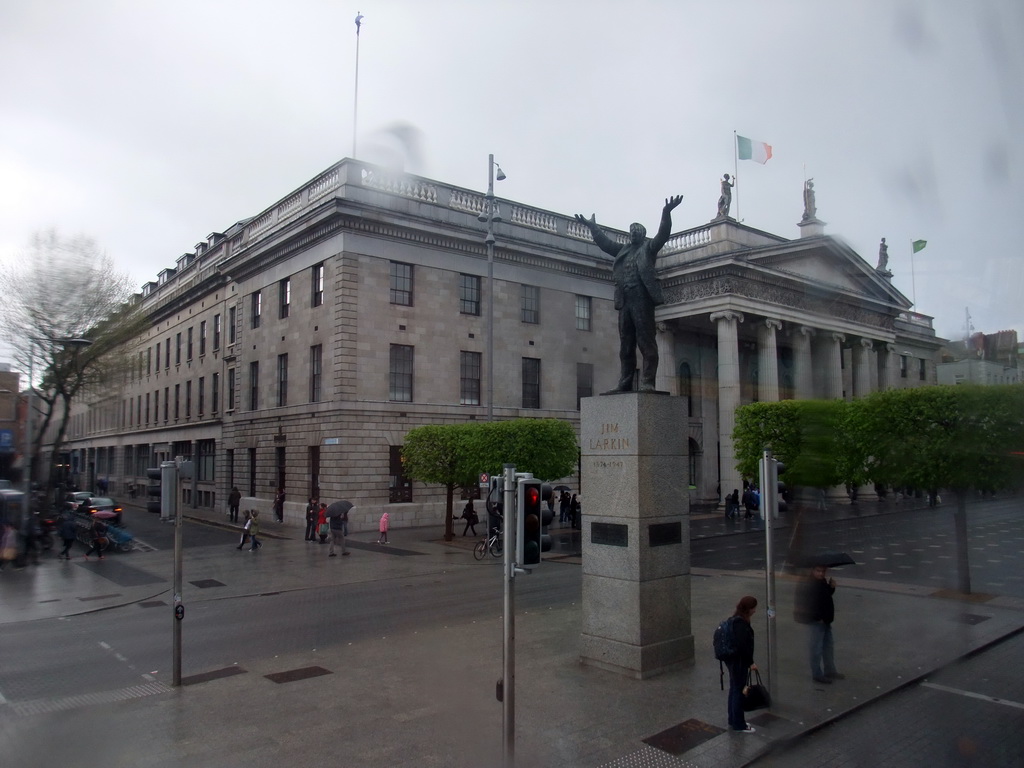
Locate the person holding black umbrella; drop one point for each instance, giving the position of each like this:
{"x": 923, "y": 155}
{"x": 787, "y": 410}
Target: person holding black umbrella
{"x": 816, "y": 608}
{"x": 337, "y": 516}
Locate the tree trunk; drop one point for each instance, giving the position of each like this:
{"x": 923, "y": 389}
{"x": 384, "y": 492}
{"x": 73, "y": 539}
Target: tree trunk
{"x": 963, "y": 565}
{"x": 448, "y": 512}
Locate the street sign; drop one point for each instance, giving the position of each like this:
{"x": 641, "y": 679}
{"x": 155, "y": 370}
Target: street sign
{"x": 485, "y": 479}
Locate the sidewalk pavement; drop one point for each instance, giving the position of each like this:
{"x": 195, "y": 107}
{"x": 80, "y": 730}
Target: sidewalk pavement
{"x": 426, "y": 697}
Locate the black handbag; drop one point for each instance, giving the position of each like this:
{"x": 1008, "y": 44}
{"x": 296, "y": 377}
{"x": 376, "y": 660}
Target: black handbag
{"x": 755, "y": 693}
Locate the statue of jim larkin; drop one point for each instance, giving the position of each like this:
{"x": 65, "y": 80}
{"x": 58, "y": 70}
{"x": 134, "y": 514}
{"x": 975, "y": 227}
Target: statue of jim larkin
{"x": 637, "y": 293}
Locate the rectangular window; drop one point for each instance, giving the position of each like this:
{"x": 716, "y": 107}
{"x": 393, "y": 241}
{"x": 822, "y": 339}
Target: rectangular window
{"x": 177, "y": 401}
{"x": 254, "y": 385}
{"x": 147, "y": 408}
{"x": 216, "y": 332}
{"x": 158, "y": 356}
{"x": 205, "y": 452}
{"x": 284, "y": 290}
{"x": 531, "y": 382}
{"x": 469, "y": 378}
{"x": 149, "y": 360}
{"x": 922, "y": 368}
{"x": 256, "y": 308}
{"x": 400, "y": 384}
{"x": 903, "y": 366}
{"x": 231, "y": 389}
{"x": 188, "y": 345}
{"x": 316, "y": 372}
{"x": 318, "y": 285}
{"x": 232, "y": 333}
{"x": 584, "y": 382}
{"x": 177, "y": 348}
{"x": 582, "y": 313}
{"x": 188, "y": 399}
{"x": 282, "y": 380}
{"x": 214, "y": 393}
{"x": 399, "y": 486}
{"x": 252, "y": 471}
{"x": 202, "y": 395}
{"x": 202, "y": 338}
{"x": 167, "y": 354}
{"x": 156, "y": 407}
{"x": 167, "y": 403}
{"x": 138, "y": 409}
{"x": 401, "y": 283}
{"x": 469, "y": 294}
{"x": 530, "y": 300}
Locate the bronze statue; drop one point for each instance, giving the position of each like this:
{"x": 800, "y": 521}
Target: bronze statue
{"x": 637, "y": 293}
{"x": 810, "y": 208}
{"x": 883, "y": 257}
{"x": 725, "y": 200}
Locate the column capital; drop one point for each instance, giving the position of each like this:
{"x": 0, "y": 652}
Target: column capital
{"x": 867, "y": 343}
{"x": 890, "y": 348}
{"x": 728, "y": 314}
{"x": 771, "y": 322}
{"x": 840, "y": 337}
{"x": 662, "y": 327}
{"x": 805, "y": 330}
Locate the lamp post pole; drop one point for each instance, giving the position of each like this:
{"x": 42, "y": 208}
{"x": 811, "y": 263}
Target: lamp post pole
{"x": 490, "y": 217}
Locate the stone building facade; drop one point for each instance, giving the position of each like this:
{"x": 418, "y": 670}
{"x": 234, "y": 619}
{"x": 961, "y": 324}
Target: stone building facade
{"x": 296, "y": 349}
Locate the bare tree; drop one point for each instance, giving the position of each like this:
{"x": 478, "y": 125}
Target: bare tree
{"x": 62, "y": 289}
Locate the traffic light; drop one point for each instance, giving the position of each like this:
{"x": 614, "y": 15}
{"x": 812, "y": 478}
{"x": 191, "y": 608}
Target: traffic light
{"x": 153, "y": 491}
{"x": 531, "y": 520}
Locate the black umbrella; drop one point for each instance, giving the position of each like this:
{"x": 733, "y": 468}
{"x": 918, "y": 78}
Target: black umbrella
{"x": 562, "y": 488}
{"x": 826, "y": 559}
{"x": 339, "y": 508}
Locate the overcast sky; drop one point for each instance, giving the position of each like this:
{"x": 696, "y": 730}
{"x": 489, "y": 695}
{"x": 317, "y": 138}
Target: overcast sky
{"x": 148, "y": 125}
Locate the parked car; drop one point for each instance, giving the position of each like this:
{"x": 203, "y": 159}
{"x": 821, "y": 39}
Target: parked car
{"x": 102, "y": 507}
{"x": 73, "y": 500}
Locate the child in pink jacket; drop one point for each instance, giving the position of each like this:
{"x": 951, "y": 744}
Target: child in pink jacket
{"x": 383, "y": 538}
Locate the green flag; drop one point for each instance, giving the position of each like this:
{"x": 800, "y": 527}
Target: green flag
{"x": 919, "y": 245}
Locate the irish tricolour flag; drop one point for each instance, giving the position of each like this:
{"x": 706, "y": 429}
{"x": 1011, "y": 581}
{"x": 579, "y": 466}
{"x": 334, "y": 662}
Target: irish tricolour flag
{"x": 748, "y": 149}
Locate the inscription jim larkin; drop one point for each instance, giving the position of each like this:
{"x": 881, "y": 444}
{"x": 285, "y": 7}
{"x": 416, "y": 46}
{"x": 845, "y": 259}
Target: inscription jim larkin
{"x": 608, "y": 439}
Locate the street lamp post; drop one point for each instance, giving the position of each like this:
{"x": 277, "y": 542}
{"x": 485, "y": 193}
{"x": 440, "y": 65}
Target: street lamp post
{"x": 74, "y": 343}
{"x": 490, "y": 215}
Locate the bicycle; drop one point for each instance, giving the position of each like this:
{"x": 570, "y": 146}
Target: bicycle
{"x": 492, "y": 544}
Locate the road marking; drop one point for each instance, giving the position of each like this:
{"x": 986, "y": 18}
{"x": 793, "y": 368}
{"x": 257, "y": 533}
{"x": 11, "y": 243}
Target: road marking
{"x": 40, "y": 706}
{"x": 972, "y": 695}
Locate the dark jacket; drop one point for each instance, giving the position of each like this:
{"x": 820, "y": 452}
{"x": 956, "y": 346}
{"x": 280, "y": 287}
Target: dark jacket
{"x": 337, "y": 523}
{"x": 743, "y": 635}
{"x": 814, "y": 601}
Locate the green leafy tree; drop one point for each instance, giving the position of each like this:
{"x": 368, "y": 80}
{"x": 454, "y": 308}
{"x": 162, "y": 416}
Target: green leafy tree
{"x": 960, "y": 438}
{"x": 453, "y": 455}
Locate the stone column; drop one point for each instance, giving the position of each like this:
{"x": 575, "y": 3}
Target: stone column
{"x": 728, "y": 397}
{"x": 803, "y": 362}
{"x": 890, "y": 367}
{"x": 863, "y": 367}
{"x": 667, "y": 379}
{"x": 768, "y": 361}
{"x": 833, "y": 366}
{"x": 636, "y": 535}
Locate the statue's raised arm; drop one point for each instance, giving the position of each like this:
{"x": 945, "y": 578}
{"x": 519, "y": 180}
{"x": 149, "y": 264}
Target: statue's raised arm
{"x": 601, "y": 240}
{"x": 671, "y": 203}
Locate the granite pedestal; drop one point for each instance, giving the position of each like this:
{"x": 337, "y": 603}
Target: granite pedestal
{"x": 636, "y": 540}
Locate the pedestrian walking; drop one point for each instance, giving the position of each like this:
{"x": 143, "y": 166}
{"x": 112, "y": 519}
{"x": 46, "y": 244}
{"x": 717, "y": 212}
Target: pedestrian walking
{"x": 385, "y": 520}
{"x": 254, "y": 531}
{"x": 732, "y": 504}
{"x": 279, "y": 505}
{"x": 68, "y": 532}
{"x": 337, "y": 525}
{"x": 234, "y": 499}
{"x": 816, "y": 608}
{"x": 323, "y": 529}
{"x": 471, "y": 518}
{"x": 742, "y": 662}
{"x": 245, "y": 529}
{"x": 98, "y": 536}
{"x": 563, "y": 508}
{"x": 575, "y": 511}
{"x": 312, "y": 512}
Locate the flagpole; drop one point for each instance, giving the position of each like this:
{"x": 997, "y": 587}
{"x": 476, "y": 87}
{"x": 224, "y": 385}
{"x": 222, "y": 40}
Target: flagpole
{"x": 913, "y": 283}
{"x": 735, "y": 173}
{"x": 355, "y": 106}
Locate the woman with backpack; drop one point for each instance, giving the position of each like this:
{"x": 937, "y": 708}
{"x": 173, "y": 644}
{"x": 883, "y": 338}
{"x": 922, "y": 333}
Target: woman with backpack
{"x": 741, "y": 662}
